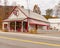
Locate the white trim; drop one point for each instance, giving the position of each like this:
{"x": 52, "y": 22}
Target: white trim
{"x": 15, "y": 26}
{"x": 9, "y": 26}
{"x": 22, "y": 27}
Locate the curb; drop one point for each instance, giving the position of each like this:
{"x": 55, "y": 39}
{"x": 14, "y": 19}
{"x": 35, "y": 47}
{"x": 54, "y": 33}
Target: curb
{"x": 34, "y": 35}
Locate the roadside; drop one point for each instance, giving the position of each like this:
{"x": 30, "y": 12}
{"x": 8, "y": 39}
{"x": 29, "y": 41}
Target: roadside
{"x": 55, "y": 34}
{"x": 32, "y": 40}
{"x": 50, "y": 35}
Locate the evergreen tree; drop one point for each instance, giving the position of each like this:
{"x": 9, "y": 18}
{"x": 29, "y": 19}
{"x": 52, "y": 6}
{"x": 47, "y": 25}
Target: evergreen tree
{"x": 49, "y": 12}
{"x": 36, "y": 9}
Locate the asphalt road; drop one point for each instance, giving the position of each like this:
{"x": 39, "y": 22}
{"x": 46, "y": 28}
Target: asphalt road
{"x": 17, "y": 40}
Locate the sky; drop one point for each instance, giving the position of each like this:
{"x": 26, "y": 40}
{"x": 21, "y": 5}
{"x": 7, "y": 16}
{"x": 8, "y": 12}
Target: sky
{"x": 43, "y": 4}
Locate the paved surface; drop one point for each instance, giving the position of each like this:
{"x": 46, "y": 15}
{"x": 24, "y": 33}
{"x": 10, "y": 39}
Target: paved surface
{"x": 22, "y": 40}
{"x": 57, "y": 34}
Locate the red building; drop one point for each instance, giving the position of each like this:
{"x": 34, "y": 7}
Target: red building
{"x": 24, "y": 20}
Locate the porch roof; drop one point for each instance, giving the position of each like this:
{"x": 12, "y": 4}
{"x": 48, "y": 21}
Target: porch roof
{"x": 33, "y": 15}
{"x": 38, "y": 22}
{"x": 24, "y": 13}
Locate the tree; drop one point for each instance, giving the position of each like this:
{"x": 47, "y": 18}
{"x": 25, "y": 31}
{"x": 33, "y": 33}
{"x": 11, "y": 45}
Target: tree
{"x": 36, "y": 9}
{"x": 49, "y": 12}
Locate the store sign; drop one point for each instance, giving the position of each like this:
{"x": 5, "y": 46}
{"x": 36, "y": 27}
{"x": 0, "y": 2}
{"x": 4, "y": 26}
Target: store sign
{"x": 16, "y": 12}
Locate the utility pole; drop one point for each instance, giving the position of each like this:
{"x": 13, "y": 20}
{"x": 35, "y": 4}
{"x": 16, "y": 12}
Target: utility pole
{"x": 5, "y": 2}
{"x": 14, "y": 3}
{"x": 0, "y": 2}
{"x": 6, "y": 8}
{"x": 28, "y": 14}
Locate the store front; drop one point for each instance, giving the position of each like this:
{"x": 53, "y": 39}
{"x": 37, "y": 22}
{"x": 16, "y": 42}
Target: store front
{"x": 22, "y": 22}
{"x": 17, "y": 24}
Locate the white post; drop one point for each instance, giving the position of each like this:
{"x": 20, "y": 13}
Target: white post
{"x": 15, "y": 26}
{"x": 9, "y": 26}
{"x": 28, "y": 25}
{"x": 22, "y": 27}
{"x": 3, "y": 25}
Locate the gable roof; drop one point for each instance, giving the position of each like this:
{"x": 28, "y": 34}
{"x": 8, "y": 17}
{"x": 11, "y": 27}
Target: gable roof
{"x": 29, "y": 14}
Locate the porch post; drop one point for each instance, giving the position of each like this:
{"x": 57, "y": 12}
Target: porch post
{"x": 9, "y": 26}
{"x": 28, "y": 25}
{"x": 47, "y": 27}
{"x": 15, "y": 26}
{"x": 3, "y": 25}
{"x": 22, "y": 27}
